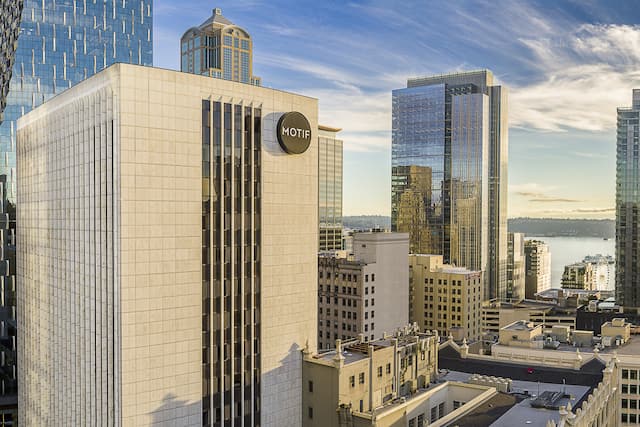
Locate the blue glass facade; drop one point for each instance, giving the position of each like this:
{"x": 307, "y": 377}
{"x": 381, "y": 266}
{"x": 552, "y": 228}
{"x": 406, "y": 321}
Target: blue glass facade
{"x": 418, "y": 166}
{"x": 628, "y": 205}
{"x": 449, "y": 159}
{"x": 62, "y": 42}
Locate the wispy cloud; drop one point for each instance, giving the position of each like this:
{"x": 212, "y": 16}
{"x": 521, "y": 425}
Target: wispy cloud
{"x": 587, "y": 71}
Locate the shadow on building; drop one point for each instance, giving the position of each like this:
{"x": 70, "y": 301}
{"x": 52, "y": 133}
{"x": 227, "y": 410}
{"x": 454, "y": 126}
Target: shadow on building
{"x": 176, "y": 412}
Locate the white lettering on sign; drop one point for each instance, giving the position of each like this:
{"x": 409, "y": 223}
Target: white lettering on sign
{"x": 296, "y": 132}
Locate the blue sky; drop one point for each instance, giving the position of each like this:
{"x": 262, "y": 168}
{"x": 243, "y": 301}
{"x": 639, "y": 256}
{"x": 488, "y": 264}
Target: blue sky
{"x": 568, "y": 65}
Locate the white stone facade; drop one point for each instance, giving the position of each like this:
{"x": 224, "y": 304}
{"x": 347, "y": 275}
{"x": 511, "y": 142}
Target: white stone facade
{"x": 110, "y": 243}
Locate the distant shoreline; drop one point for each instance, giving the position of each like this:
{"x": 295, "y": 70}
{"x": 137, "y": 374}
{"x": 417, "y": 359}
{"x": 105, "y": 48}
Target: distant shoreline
{"x": 541, "y": 227}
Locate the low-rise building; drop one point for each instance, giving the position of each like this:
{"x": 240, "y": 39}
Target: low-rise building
{"x": 445, "y": 298}
{"x": 578, "y": 275}
{"x": 497, "y": 314}
{"x": 386, "y": 382}
{"x": 366, "y": 292}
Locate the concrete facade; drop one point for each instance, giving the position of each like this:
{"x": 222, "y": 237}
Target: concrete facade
{"x": 111, "y": 187}
{"x": 365, "y": 293}
{"x": 361, "y": 378}
{"x": 445, "y": 298}
{"x": 537, "y": 267}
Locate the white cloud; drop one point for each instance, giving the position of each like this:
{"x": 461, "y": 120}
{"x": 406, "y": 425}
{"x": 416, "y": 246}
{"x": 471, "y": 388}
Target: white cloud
{"x": 587, "y": 73}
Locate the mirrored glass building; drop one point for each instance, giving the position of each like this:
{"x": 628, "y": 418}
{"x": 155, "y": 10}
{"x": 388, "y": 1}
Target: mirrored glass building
{"x": 59, "y": 44}
{"x": 449, "y": 171}
{"x": 628, "y": 204}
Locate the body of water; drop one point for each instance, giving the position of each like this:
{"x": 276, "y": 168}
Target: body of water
{"x": 567, "y": 250}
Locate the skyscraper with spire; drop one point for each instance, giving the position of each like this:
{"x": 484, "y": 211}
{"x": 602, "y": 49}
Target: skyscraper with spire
{"x": 218, "y": 48}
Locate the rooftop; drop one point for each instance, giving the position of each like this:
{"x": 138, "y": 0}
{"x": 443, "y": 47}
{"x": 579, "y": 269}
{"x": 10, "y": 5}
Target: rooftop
{"x": 515, "y": 408}
{"x": 520, "y": 325}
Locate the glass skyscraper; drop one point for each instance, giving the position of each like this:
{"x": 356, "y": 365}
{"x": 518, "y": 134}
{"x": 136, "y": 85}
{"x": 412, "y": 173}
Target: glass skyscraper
{"x": 60, "y": 43}
{"x": 218, "y": 48}
{"x": 628, "y": 204}
{"x": 449, "y": 171}
{"x": 329, "y": 189}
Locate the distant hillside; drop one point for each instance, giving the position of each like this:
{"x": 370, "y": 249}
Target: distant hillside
{"x": 543, "y": 227}
{"x": 366, "y": 221}
{"x": 548, "y": 227}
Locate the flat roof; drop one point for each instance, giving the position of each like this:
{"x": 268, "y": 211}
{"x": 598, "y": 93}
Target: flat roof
{"x": 520, "y": 325}
{"x": 509, "y": 410}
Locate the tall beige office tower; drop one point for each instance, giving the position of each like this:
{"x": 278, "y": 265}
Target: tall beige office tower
{"x": 537, "y": 267}
{"x": 168, "y": 252}
{"x": 218, "y": 48}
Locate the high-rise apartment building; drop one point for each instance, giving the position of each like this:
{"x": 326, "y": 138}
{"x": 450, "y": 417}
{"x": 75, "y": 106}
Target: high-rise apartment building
{"x": 168, "y": 254}
{"x": 218, "y": 48}
{"x": 537, "y": 267}
{"x": 515, "y": 266}
{"x": 60, "y": 43}
{"x": 449, "y": 171}
{"x": 11, "y": 11}
{"x": 628, "y": 205}
{"x": 579, "y": 275}
{"x": 446, "y": 299}
{"x": 366, "y": 293}
{"x": 329, "y": 189}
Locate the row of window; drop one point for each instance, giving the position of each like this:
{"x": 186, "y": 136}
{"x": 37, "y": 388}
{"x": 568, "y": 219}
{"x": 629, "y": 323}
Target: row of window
{"x": 346, "y": 277}
{"x": 630, "y": 374}
{"x": 630, "y": 389}
{"x": 345, "y": 301}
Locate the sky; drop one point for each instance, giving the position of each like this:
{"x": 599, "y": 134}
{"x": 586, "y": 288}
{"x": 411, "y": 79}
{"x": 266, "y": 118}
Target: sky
{"x": 568, "y": 66}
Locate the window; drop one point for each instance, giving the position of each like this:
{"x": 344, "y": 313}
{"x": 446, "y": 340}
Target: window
{"x": 366, "y": 291}
{"x": 633, "y": 404}
{"x": 633, "y": 389}
{"x": 373, "y": 277}
{"x": 361, "y": 378}
{"x": 373, "y": 314}
{"x": 625, "y": 374}
{"x": 366, "y": 278}
{"x": 366, "y": 314}
{"x": 388, "y": 368}
{"x": 310, "y": 386}
{"x": 633, "y": 374}
{"x": 434, "y": 414}
{"x": 310, "y": 410}
{"x": 373, "y": 302}
{"x": 625, "y": 403}
{"x": 366, "y": 328}
{"x": 379, "y": 371}
{"x": 625, "y": 388}
{"x": 456, "y": 405}
{"x": 352, "y": 381}
{"x": 373, "y": 326}
{"x": 373, "y": 289}
{"x": 412, "y": 422}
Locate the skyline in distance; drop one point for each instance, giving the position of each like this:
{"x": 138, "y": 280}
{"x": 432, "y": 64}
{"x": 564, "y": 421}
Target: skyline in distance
{"x": 568, "y": 67}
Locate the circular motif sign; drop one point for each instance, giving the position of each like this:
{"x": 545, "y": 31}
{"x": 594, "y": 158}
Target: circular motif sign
{"x": 294, "y": 133}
